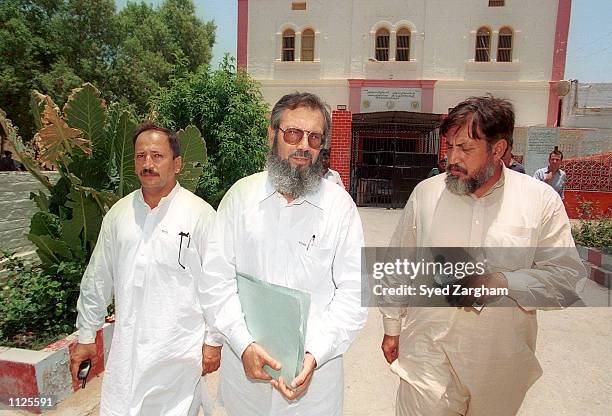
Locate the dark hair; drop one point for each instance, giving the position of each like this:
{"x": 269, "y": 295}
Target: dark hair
{"x": 324, "y": 153}
{"x": 8, "y": 153}
{"x": 493, "y": 117}
{"x": 556, "y": 152}
{"x": 301, "y": 99}
{"x": 173, "y": 139}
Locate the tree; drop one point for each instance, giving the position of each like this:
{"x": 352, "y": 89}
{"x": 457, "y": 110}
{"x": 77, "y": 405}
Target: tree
{"x": 228, "y": 108}
{"x": 54, "y": 46}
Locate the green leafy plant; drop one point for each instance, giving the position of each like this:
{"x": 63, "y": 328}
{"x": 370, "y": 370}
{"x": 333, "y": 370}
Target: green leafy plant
{"x": 594, "y": 228}
{"x": 91, "y": 146}
{"x": 35, "y": 305}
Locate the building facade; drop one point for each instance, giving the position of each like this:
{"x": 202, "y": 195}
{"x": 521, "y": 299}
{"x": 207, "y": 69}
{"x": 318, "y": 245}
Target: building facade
{"x": 408, "y": 55}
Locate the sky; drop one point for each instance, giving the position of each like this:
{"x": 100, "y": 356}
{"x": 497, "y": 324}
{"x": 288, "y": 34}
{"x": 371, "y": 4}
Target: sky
{"x": 589, "y": 53}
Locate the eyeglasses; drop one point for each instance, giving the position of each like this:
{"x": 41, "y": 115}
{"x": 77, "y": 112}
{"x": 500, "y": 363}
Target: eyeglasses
{"x": 292, "y": 135}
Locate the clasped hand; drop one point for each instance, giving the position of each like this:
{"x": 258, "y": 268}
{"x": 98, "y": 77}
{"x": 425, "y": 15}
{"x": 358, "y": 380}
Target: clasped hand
{"x": 255, "y": 358}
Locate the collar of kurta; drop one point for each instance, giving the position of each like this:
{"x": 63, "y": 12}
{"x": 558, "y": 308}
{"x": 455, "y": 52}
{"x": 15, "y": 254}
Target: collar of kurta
{"x": 162, "y": 202}
{"x": 311, "y": 198}
{"x": 497, "y": 185}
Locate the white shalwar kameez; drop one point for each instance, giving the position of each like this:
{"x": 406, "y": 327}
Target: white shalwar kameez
{"x": 155, "y": 360}
{"x": 455, "y": 361}
{"x": 311, "y": 244}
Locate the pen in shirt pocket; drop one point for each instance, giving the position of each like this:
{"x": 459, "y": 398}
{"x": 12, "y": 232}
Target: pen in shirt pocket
{"x": 311, "y": 242}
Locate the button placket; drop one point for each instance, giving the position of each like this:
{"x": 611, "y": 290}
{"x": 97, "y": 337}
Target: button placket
{"x": 283, "y": 239}
{"x": 477, "y": 223}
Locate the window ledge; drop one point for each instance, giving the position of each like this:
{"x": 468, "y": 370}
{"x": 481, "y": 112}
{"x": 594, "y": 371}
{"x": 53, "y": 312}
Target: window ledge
{"x": 297, "y": 65}
{"x": 473, "y": 66}
{"x": 396, "y": 65}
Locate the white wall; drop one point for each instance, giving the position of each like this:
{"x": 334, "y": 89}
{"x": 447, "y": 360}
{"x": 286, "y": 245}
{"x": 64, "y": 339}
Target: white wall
{"x": 442, "y": 43}
{"x": 442, "y": 48}
{"x": 333, "y": 92}
{"x": 530, "y": 99}
{"x": 16, "y": 210}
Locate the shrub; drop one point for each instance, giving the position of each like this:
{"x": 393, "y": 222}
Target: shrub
{"x": 593, "y": 230}
{"x": 36, "y": 304}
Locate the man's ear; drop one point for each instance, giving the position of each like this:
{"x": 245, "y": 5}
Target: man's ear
{"x": 270, "y": 136}
{"x": 178, "y": 164}
{"x": 499, "y": 149}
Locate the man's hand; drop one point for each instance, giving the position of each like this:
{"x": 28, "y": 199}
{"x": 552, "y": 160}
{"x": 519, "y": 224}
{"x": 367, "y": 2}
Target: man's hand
{"x": 548, "y": 176}
{"x": 82, "y": 352}
{"x": 491, "y": 281}
{"x": 390, "y": 347}
{"x": 254, "y": 358}
{"x": 300, "y": 384}
{"x": 211, "y": 358}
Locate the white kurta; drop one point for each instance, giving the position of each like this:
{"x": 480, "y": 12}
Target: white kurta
{"x": 334, "y": 177}
{"x": 311, "y": 244}
{"x": 155, "y": 359}
{"x": 455, "y": 361}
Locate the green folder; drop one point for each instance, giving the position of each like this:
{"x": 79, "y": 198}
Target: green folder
{"x": 276, "y": 317}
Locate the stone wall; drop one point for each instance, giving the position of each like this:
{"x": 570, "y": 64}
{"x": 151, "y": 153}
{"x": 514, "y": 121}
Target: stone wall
{"x": 16, "y": 210}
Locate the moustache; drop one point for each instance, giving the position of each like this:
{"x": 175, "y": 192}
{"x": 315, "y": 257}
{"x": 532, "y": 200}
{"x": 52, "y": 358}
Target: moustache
{"x": 455, "y": 166}
{"x": 146, "y": 172}
{"x": 301, "y": 153}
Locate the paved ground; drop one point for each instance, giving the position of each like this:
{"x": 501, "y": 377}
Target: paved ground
{"x": 574, "y": 349}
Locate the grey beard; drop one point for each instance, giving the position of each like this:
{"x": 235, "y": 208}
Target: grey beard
{"x": 472, "y": 183}
{"x": 293, "y": 181}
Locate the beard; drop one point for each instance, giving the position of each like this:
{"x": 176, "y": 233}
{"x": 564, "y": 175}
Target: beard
{"x": 470, "y": 184}
{"x": 291, "y": 180}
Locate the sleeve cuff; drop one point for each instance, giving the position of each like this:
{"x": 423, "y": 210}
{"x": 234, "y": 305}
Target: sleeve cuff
{"x": 87, "y": 336}
{"x": 392, "y": 327}
{"x": 240, "y": 339}
{"x": 319, "y": 351}
{"x": 214, "y": 339}
{"x": 520, "y": 288}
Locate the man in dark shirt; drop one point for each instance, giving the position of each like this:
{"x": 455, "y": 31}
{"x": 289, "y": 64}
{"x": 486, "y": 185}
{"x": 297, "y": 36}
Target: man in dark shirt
{"x": 509, "y": 162}
{"x": 7, "y": 163}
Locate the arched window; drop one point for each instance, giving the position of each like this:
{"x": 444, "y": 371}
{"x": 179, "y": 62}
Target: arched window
{"x": 483, "y": 45}
{"x": 288, "y": 53}
{"x": 382, "y": 45}
{"x": 504, "y": 45}
{"x": 308, "y": 39}
{"x": 403, "y": 45}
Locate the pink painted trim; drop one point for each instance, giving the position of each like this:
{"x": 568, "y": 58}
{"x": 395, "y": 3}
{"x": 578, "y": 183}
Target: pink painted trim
{"x": 553, "y": 105}
{"x": 243, "y": 33}
{"x": 426, "y": 85}
{"x": 564, "y": 10}
{"x": 562, "y": 32}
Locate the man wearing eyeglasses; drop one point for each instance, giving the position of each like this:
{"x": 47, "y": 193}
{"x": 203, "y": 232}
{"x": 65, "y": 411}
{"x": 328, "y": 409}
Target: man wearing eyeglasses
{"x": 290, "y": 227}
{"x": 147, "y": 258}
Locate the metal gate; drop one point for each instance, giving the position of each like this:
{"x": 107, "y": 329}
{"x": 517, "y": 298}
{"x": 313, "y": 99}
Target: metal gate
{"x": 391, "y": 152}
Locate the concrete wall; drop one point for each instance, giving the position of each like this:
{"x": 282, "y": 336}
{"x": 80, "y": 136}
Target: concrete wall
{"x": 588, "y": 106}
{"x": 16, "y": 210}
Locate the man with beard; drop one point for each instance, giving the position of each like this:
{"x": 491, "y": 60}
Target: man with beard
{"x": 148, "y": 257}
{"x": 290, "y": 227}
{"x": 473, "y": 360}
